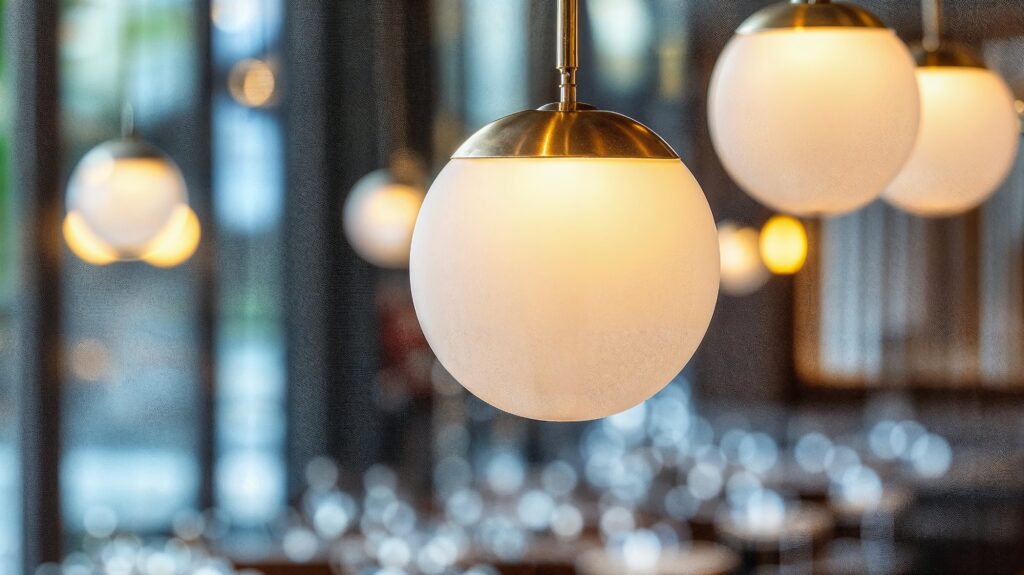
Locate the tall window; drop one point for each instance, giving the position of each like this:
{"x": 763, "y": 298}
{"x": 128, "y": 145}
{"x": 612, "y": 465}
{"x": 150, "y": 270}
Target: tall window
{"x": 130, "y": 403}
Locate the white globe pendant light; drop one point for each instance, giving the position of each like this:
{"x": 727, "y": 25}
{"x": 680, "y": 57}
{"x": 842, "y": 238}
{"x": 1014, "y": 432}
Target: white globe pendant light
{"x": 565, "y": 262}
{"x": 969, "y": 133}
{"x": 813, "y": 107}
{"x": 380, "y": 211}
{"x": 125, "y": 192}
{"x": 379, "y": 215}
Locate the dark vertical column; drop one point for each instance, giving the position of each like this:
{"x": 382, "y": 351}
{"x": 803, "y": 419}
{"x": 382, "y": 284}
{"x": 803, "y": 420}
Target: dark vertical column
{"x": 32, "y": 39}
{"x": 747, "y": 352}
{"x": 542, "y": 74}
{"x": 330, "y": 124}
{"x": 420, "y": 74}
{"x": 352, "y": 152}
{"x": 206, "y": 256}
{"x": 308, "y": 255}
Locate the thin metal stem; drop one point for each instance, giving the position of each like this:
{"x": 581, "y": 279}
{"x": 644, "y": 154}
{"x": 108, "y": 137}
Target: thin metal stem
{"x": 931, "y": 24}
{"x": 568, "y": 53}
{"x": 127, "y": 120}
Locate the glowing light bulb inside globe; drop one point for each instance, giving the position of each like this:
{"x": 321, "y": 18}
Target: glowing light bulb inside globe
{"x": 743, "y": 272}
{"x": 176, "y": 243}
{"x": 813, "y": 107}
{"x": 966, "y": 144}
{"x": 84, "y": 243}
{"x": 379, "y": 215}
{"x": 125, "y": 192}
{"x": 783, "y": 245}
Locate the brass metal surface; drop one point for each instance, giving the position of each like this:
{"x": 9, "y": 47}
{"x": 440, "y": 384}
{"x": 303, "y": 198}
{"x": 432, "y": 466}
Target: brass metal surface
{"x": 551, "y": 133}
{"x": 568, "y": 52}
{"x": 809, "y": 14}
{"x": 947, "y": 55}
{"x": 931, "y": 24}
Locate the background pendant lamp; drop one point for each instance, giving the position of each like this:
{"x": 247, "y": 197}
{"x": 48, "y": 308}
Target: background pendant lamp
{"x": 783, "y": 245}
{"x": 743, "y": 272}
{"x": 565, "y": 262}
{"x": 125, "y": 191}
{"x": 967, "y": 141}
{"x": 813, "y": 107}
{"x": 379, "y": 215}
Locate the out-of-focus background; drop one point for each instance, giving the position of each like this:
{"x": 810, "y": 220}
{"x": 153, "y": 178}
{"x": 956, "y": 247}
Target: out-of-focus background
{"x": 271, "y": 406}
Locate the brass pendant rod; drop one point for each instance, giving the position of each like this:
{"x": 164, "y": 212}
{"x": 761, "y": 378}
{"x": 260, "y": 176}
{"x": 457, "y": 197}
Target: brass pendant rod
{"x": 568, "y": 53}
{"x": 931, "y": 24}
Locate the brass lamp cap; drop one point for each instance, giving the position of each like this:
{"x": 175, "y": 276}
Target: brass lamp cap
{"x": 947, "y": 55}
{"x": 133, "y": 147}
{"x": 809, "y": 14}
{"x": 585, "y": 132}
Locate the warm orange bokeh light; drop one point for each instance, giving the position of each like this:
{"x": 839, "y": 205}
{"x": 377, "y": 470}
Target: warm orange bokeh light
{"x": 252, "y": 83}
{"x": 177, "y": 241}
{"x": 84, "y": 243}
{"x": 743, "y": 272}
{"x": 783, "y": 245}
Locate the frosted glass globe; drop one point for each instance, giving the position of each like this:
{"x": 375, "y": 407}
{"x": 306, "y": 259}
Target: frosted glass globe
{"x": 126, "y": 192}
{"x": 966, "y": 145}
{"x": 564, "y": 288}
{"x": 743, "y": 272}
{"x": 814, "y": 121}
{"x": 379, "y": 215}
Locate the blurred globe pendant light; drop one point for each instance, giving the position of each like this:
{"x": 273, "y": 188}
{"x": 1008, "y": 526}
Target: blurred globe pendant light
{"x": 813, "y": 107}
{"x": 380, "y": 212}
{"x": 565, "y": 262}
{"x": 125, "y": 191}
{"x": 122, "y": 195}
{"x": 969, "y": 133}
